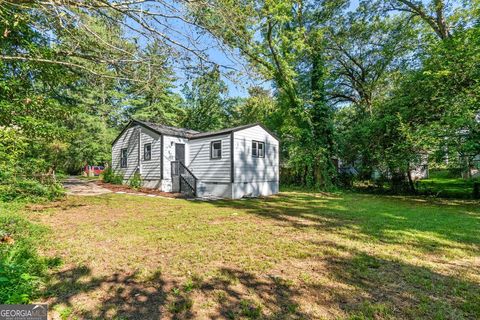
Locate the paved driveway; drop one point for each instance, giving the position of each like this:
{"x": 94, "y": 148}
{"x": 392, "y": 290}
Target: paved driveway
{"x": 78, "y": 187}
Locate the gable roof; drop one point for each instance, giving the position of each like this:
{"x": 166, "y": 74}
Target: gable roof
{"x": 229, "y": 130}
{"x": 186, "y": 133}
{"x": 167, "y": 130}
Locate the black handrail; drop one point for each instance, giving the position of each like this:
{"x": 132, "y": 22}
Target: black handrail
{"x": 186, "y": 176}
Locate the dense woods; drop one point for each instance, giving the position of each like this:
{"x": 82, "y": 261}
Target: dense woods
{"x": 374, "y": 85}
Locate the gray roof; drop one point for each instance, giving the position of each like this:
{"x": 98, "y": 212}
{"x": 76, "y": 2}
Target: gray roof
{"x": 223, "y": 131}
{"x": 188, "y": 133}
{"x": 172, "y": 131}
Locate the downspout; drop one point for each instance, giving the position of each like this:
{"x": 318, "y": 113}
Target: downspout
{"x": 139, "y": 144}
{"x": 161, "y": 157}
{"x": 232, "y": 164}
{"x": 232, "y": 171}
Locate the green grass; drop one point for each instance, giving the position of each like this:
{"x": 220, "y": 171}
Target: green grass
{"x": 294, "y": 256}
{"x": 22, "y": 270}
{"x": 443, "y": 184}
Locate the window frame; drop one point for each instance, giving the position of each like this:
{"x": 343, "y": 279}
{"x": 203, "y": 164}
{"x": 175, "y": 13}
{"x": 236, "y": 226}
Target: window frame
{"x": 257, "y": 144}
{"x": 123, "y": 158}
{"x": 150, "y": 153}
{"x": 211, "y": 149}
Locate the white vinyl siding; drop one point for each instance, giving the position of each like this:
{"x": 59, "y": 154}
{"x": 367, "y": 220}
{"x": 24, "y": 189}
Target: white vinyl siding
{"x": 201, "y": 164}
{"x": 250, "y": 168}
{"x": 150, "y": 169}
{"x": 128, "y": 140}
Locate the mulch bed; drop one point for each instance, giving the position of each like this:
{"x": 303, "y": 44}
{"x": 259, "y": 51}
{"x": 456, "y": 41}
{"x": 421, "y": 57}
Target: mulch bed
{"x": 125, "y": 188}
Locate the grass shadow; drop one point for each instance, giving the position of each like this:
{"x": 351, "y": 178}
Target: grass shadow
{"x": 427, "y": 225}
{"x": 237, "y": 294}
{"x": 387, "y": 289}
{"x": 120, "y": 295}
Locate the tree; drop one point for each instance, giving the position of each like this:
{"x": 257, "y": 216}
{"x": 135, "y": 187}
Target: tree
{"x": 366, "y": 51}
{"x": 259, "y": 106}
{"x": 51, "y": 104}
{"x": 155, "y": 101}
{"x": 205, "y": 101}
{"x": 439, "y": 103}
{"x": 282, "y": 41}
{"x": 429, "y": 108}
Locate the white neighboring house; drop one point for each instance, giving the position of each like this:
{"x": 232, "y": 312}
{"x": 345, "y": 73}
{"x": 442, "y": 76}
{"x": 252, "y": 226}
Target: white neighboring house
{"x": 231, "y": 163}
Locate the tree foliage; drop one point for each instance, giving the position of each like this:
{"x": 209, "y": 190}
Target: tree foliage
{"x": 376, "y": 86}
{"x": 205, "y": 101}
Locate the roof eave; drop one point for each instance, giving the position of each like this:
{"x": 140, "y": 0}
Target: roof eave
{"x": 193, "y": 136}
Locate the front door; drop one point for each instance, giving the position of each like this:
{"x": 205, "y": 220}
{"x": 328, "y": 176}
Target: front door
{"x": 177, "y": 170}
{"x": 180, "y": 152}
{"x": 180, "y": 155}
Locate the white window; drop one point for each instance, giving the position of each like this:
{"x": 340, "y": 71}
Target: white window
{"x": 147, "y": 151}
{"x": 216, "y": 150}
{"x": 258, "y": 149}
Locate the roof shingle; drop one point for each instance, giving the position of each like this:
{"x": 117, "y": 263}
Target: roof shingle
{"x": 188, "y": 133}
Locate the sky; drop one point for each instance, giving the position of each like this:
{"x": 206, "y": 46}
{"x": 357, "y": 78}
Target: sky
{"x": 184, "y": 33}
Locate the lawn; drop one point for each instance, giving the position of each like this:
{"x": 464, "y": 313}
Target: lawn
{"x": 293, "y": 256}
{"x": 447, "y": 185}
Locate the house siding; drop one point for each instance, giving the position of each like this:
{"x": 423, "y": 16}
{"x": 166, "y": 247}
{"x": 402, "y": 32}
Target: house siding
{"x": 128, "y": 140}
{"x": 169, "y": 156}
{"x": 250, "y": 169}
{"x": 249, "y": 176}
{"x": 150, "y": 169}
{"x": 205, "y": 168}
{"x": 254, "y": 176}
{"x": 214, "y": 189}
{"x": 254, "y": 189}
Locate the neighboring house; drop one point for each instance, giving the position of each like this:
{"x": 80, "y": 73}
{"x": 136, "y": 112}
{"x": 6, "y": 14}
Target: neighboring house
{"x": 230, "y": 163}
{"x": 420, "y": 170}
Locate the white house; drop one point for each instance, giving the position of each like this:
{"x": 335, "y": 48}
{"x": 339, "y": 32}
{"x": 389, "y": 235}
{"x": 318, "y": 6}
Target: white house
{"x": 231, "y": 163}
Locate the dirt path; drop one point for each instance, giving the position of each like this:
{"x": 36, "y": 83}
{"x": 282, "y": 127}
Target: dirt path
{"x": 75, "y": 186}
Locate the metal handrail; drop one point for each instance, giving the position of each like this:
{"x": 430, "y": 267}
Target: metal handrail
{"x": 176, "y": 165}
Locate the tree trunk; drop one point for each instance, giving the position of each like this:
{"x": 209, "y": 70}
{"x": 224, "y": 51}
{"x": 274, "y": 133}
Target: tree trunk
{"x": 410, "y": 181}
{"x": 321, "y": 122}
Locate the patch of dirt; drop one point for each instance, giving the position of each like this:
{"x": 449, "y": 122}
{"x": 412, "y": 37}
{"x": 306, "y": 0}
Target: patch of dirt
{"x": 125, "y": 188}
{"x": 75, "y": 186}
{"x": 62, "y": 204}
{"x": 7, "y": 239}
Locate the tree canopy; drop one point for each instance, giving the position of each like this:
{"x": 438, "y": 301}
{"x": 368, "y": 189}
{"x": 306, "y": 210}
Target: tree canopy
{"x": 376, "y": 85}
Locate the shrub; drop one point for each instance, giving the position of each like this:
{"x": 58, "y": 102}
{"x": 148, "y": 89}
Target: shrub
{"x": 136, "y": 181}
{"x": 22, "y": 270}
{"x": 29, "y": 189}
{"x": 109, "y": 176}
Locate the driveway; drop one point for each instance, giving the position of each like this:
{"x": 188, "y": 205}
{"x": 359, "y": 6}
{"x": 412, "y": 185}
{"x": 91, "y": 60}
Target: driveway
{"x": 78, "y": 187}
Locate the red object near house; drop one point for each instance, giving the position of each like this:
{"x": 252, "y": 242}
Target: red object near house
{"x": 97, "y": 170}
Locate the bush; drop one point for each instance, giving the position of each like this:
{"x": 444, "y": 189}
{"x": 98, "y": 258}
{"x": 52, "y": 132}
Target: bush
{"x": 109, "y": 176}
{"x": 29, "y": 189}
{"x": 22, "y": 270}
{"x": 345, "y": 180}
{"x": 136, "y": 181}
{"x": 451, "y": 173}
